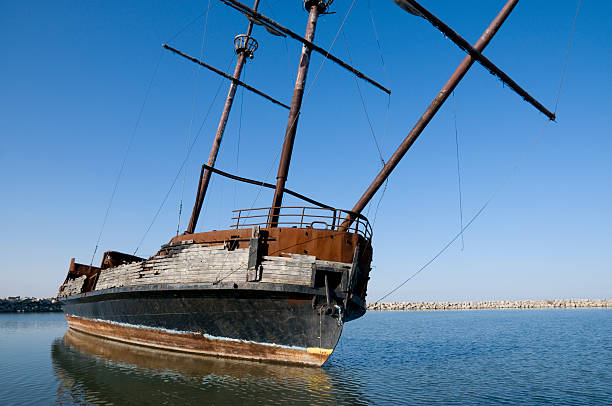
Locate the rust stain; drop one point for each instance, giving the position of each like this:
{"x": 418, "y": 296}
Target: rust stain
{"x": 299, "y": 302}
{"x": 199, "y": 344}
{"x": 186, "y": 363}
{"x": 320, "y": 243}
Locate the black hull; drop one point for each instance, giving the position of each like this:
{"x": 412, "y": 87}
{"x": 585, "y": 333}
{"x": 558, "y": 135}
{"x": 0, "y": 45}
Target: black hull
{"x": 263, "y": 324}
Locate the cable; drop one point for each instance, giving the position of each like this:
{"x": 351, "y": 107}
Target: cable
{"x": 221, "y": 81}
{"x": 188, "y": 25}
{"x": 193, "y": 111}
{"x": 239, "y": 132}
{"x": 510, "y": 174}
{"x": 567, "y": 54}
{"x": 260, "y": 188}
{"x": 363, "y": 104}
{"x": 458, "y": 171}
{"x": 377, "y": 39}
{"x": 365, "y": 110}
{"x": 380, "y": 201}
{"x": 384, "y": 66}
{"x": 310, "y": 87}
{"x": 329, "y": 49}
{"x": 125, "y": 156}
{"x": 388, "y": 110}
{"x": 478, "y": 213}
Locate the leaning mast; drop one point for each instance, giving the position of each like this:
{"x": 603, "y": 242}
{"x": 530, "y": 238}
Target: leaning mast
{"x": 245, "y": 45}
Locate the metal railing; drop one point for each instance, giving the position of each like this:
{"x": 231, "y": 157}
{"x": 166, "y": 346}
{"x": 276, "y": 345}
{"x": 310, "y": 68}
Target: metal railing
{"x": 304, "y": 217}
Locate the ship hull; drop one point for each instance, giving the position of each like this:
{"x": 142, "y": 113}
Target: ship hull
{"x": 273, "y": 324}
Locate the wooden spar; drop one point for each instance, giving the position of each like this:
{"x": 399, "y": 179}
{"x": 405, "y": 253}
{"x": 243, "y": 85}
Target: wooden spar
{"x": 273, "y": 25}
{"x": 431, "y": 111}
{"x": 294, "y": 113}
{"x": 205, "y": 179}
{"x": 221, "y": 73}
{"x": 411, "y": 6}
{"x": 263, "y": 184}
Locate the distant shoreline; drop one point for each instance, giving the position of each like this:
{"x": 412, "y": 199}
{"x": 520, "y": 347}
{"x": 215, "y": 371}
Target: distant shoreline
{"x": 17, "y": 304}
{"x": 501, "y": 304}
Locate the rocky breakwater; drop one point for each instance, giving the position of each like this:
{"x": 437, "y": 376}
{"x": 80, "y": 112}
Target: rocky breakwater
{"x": 503, "y": 304}
{"x": 17, "y": 304}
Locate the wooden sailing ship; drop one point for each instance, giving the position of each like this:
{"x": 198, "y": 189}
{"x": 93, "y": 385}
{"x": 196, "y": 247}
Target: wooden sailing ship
{"x": 278, "y": 285}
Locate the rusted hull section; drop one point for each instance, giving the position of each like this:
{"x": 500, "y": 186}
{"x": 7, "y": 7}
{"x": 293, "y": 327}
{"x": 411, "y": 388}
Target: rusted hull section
{"x": 199, "y": 344}
{"x": 283, "y": 327}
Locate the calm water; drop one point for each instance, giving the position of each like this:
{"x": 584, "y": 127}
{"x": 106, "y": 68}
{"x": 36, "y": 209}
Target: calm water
{"x": 463, "y": 357}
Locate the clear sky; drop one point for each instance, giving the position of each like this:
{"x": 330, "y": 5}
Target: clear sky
{"x": 74, "y": 74}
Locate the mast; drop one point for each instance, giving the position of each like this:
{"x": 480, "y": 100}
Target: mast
{"x": 315, "y": 8}
{"x": 245, "y": 46}
{"x": 431, "y": 111}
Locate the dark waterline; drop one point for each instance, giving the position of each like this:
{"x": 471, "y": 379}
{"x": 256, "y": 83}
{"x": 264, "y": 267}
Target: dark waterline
{"x": 459, "y": 357}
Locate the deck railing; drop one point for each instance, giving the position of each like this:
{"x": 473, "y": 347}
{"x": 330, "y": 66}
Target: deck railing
{"x": 304, "y": 217}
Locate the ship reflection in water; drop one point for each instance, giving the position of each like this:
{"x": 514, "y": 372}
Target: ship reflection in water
{"x": 99, "y": 371}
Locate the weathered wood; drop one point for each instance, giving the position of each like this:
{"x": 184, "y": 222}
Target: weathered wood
{"x": 72, "y": 286}
{"x": 198, "y": 263}
{"x": 253, "y": 268}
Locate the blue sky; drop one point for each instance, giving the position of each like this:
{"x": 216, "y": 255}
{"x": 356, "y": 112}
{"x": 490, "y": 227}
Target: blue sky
{"x": 74, "y": 75}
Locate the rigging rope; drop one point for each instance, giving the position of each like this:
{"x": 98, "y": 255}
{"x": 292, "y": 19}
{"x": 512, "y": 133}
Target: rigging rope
{"x": 384, "y": 66}
{"x": 503, "y": 184}
{"x": 179, "y": 32}
{"x": 372, "y": 132}
{"x": 478, "y": 213}
{"x": 260, "y": 188}
{"x": 270, "y": 11}
{"x": 377, "y": 40}
{"x": 308, "y": 91}
{"x": 387, "y": 112}
{"x": 240, "y": 121}
{"x": 221, "y": 81}
{"x": 193, "y": 111}
{"x": 125, "y": 156}
{"x": 569, "y": 47}
{"x": 363, "y": 104}
{"x": 458, "y": 171}
{"x": 239, "y": 133}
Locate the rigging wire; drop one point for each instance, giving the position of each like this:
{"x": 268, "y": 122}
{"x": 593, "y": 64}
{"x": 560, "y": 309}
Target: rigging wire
{"x": 509, "y": 175}
{"x": 382, "y": 60}
{"x": 269, "y": 10}
{"x": 365, "y": 110}
{"x": 125, "y": 156}
{"x": 239, "y": 133}
{"x": 193, "y": 112}
{"x": 195, "y": 139}
{"x": 503, "y": 184}
{"x": 384, "y": 66}
{"x": 382, "y": 194}
{"x": 179, "y": 32}
{"x": 240, "y": 121}
{"x": 388, "y": 110}
{"x": 325, "y": 57}
{"x": 363, "y": 104}
{"x": 260, "y": 188}
{"x": 458, "y": 171}
{"x": 308, "y": 91}
{"x": 569, "y": 47}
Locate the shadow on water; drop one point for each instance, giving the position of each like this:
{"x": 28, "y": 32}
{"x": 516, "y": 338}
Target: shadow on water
{"x": 94, "y": 370}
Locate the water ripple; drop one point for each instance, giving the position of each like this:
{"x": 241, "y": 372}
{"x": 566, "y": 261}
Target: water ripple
{"x": 452, "y": 358}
